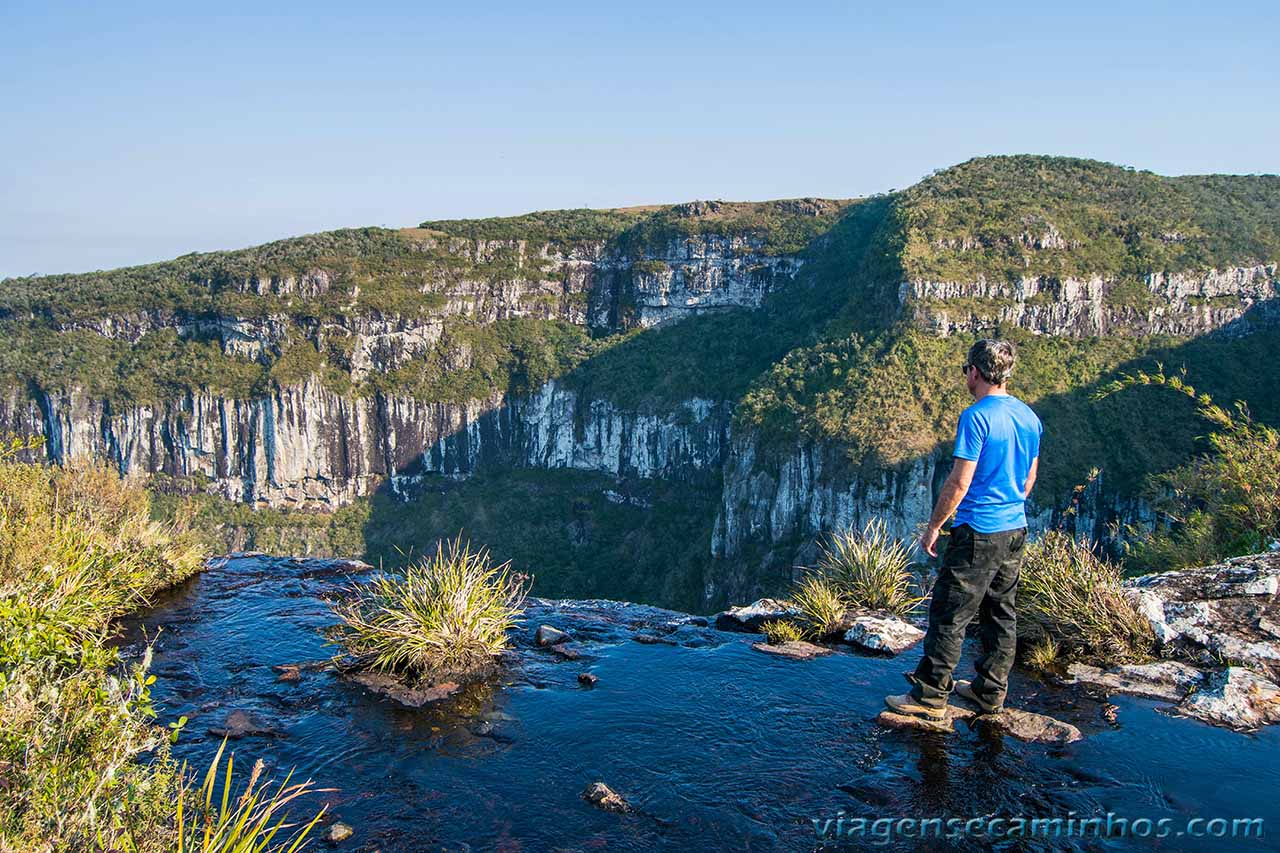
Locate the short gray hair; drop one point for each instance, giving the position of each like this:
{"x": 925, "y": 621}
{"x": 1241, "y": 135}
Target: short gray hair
{"x": 994, "y": 359}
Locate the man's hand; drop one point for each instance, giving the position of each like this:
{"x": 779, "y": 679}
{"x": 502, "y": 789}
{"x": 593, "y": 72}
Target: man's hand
{"x": 929, "y": 541}
{"x": 953, "y": 491}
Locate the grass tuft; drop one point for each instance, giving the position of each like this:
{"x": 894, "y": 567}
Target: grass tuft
{"x": 249, "y": 823}
{"x": 1044, "y": 655}
{"x": 1071, "y": 597}
{"x": 782, "y": 631}
{"x": 447, "y": 614}
{"x": 871, "y": 569}
{"x": 821, "y": 606}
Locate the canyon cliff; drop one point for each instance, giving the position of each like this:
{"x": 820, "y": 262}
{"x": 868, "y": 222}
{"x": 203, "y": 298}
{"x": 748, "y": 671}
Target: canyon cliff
{"x": 733, "y": 349}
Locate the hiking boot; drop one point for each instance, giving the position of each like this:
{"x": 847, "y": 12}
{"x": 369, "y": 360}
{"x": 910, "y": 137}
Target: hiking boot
{"x": 964, "y": 690}
{"x": 905, "y": 703}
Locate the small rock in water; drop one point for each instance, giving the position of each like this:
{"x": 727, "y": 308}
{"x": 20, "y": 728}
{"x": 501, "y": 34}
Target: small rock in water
{"x": 242, "y": 724}
{"x": 794, "y": 649}
{"x": 752, "y": 617}
{"x": 602, "y": 796}
{"x": 288, "y": 672}
{"x": 587, "y": 679}
{"x": 548, "y": 636}
{"x": 882, "y": 632}
{"x": 338, "y": 832}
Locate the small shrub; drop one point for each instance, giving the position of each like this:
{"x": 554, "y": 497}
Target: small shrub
{"x": 870, "y": 569}
{"x": 448, "y": 613}
{"x": 781, "y": 631}
{"x": 821, "y": 606}
{"x": 1071, "y": 597}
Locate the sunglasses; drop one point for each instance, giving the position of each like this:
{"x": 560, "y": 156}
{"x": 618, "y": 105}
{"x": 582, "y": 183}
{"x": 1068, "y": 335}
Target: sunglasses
{"x": 965, "y": 369}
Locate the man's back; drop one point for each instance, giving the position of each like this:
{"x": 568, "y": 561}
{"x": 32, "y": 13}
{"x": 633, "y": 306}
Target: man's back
{"x": 1002, "y": 435}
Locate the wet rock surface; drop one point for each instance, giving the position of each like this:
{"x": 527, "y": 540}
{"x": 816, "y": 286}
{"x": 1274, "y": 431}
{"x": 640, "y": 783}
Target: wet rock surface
{"x": 1026, "y": 726}
{"x": 793, "y": 649}
{"x": 411, "y": 696}
{"x": 1203, "y": 618}
{"x": 1168, "y": 680}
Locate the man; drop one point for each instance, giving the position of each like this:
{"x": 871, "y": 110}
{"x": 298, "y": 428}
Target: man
{"x": 996, "y": 456}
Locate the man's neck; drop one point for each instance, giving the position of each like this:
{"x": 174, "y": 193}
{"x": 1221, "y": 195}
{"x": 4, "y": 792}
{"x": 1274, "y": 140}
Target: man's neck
{"x": 985, "y": 390}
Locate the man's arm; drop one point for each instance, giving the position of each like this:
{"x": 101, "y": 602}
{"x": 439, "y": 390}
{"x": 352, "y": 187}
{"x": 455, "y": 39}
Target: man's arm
{"x": 1031, "y": 478}
{"x": 953, "y": 491}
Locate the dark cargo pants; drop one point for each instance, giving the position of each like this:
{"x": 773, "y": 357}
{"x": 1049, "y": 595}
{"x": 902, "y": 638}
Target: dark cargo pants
{"x": 979, "y": 577}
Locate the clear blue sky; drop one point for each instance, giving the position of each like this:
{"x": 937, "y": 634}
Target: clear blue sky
{"x": 136, "y": 132}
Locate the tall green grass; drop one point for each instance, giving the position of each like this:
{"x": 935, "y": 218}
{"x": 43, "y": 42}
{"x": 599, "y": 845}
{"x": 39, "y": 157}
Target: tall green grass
{"x": 447, "y": 614}
{"x": 82, "y": 764}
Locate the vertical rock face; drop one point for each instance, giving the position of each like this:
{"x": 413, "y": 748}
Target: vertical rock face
{"x": 798, "y": 491}
{"x": 554, "y": 428}
{"x": 688, "y": 276}
{"x": 1161, "y": 304}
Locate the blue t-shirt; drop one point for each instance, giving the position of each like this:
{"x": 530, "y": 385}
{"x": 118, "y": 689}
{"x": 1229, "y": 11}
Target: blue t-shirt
{"x": 1002, "y": 435}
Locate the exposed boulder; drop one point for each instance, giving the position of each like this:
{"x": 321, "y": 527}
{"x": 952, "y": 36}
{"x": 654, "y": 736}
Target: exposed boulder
{"x": 794, "y": 649}
{"x": 1227, "y": 611}
{"x": 548, "y": 636}
{"x": 588, "y": 679}
{"x": 752, "y": 617}
{"x": 1235, "y": 698}
{"x": 1169, "y": 680}
{"x": 1029, "y": 727}
{"x": 881, "y": 632}
{"x": 602, "y": 796}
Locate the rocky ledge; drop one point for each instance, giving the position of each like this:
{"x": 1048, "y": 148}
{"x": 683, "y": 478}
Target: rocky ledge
{"x": 1217, "y": 630}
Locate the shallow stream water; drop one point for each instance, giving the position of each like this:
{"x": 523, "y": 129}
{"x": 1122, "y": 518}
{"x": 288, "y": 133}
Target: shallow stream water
{"x": 716, "y": 745}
